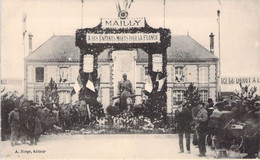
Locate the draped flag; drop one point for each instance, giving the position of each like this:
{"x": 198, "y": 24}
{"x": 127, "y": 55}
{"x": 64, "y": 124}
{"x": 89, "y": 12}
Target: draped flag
{"x": 161, "y": 82}
{"x": 148, "y": 84}
{"x": 24, "y": 24}
{"x": 128, "y": 5}
{"x": 88, "y": 109}
{"x": 90, "y": 84}
{"x": 77, "y": 86}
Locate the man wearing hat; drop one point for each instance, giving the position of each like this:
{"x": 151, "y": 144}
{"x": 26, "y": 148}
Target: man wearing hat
{"x": 24, "y": 115}
{"x": 201, "y": 128}
{"x": 183, "y": 119}
{"x": 13, "y": 120}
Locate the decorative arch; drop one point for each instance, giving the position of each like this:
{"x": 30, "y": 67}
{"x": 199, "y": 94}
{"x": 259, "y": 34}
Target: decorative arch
{"x": 88, "y": 47}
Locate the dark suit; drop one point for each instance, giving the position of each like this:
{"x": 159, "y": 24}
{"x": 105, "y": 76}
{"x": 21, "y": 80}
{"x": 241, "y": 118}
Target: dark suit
{"x": 183, "y": 120}
{"x": 201, "y": 127}
{"x": 14, "y": 122}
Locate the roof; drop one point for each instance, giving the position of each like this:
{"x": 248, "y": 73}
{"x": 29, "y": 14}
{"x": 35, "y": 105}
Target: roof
{"x": 57, "y": 48}
{"x": 62, "y": 49}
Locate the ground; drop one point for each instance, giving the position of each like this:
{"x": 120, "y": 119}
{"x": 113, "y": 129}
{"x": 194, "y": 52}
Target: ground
{"x": 102, "y": 146}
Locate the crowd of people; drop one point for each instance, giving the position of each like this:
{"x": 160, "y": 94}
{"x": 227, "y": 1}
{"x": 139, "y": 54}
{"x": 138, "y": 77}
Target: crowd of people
{"x": 200, "y": 118}
{"x": 25, "y": 123}
{"x": 29, "y": 121}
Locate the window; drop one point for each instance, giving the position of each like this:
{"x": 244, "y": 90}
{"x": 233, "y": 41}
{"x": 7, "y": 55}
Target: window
{"x": 63, "y": 77}
{"x": 64, "y": 97}
{"x": 178, "y": 96}
{"x": 179, "y": 75}
{"x": 39, "y": 74}
{"x": 38, "y": 96}
{"x": 203, "y": 75}
{"x": 204, "y": 96}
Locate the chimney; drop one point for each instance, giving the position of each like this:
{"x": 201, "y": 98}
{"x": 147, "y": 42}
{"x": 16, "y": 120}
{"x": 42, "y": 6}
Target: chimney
{"x": 30, "y": 43}
{"x": 211, "y": 48}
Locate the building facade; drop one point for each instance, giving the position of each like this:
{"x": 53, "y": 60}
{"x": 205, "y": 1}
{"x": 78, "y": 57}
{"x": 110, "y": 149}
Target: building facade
{"x": 58, "y": 58}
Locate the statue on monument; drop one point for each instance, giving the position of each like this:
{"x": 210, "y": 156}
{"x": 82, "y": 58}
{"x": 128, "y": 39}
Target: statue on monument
{"x": 125, "y": 93}
{"x": 125, "y": 85}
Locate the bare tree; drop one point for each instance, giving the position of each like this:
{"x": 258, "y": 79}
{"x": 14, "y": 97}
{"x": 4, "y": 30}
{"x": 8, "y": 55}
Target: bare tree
{"x": 247, "y": 94}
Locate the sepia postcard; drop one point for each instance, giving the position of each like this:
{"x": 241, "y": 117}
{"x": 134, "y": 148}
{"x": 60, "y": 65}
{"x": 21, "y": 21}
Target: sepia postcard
{"x": 130, "y": 79}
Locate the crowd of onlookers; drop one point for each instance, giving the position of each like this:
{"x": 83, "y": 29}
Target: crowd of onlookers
{"x": 205, "y": 119}
{"x": 30, "y": 120}
{"x": 25, "y": 123}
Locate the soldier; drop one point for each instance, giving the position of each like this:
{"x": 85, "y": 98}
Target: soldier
{"x": 183, "y": 118}
{"x": 13, "y": 120}
{"x": 201, "y": 127}
{"x": 125, "y": 85}
{"x": 34, "y": 125}
{"x": 38, "y": 128}
{"x": 23, "y": 125}
{"x": 194, "y": 112}
{"x": 124, "y": 91}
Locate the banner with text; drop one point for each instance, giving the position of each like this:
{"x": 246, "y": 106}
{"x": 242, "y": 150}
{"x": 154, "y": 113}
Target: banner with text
{"x": 123, "y": 38}
{"x": 118, "y": 23}
{"x": 238, "y": 80}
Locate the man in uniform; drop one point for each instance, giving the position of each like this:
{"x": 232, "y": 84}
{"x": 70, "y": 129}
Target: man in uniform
{"x": 13, "y": 120}
{"x": 125, "y": 85}
{"x": 201, "y": 128}
{"x": 125, "y": 89}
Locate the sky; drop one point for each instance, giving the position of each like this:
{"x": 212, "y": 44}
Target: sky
{"x": 239, "y": 27}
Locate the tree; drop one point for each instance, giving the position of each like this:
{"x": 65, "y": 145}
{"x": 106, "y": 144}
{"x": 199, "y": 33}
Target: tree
{"x": 51, "y": 95}
{"x": 192, "y": 96}
{"x": 247, "y": 94}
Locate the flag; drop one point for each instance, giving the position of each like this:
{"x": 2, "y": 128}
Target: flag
{"x": 130, "y": 3}
{"x": 90, "y": 84}
{"x": 88, "y": 109}
{"x": 161, "y": 82}
{"x": 126, "y": 4}
{"x": 78, "y": 85}
{"x": 157, "y": 77}
{"x": 24, "y": 24}
{"x": 148, "y": 84}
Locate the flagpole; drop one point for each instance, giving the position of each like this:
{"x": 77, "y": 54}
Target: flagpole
{"x": 82, "y": 5}
{"x": 24, "y": 47}
{"x": 24, "y": 32}
{"x": 218, "y": 13}
{"x": 164, "y": 13}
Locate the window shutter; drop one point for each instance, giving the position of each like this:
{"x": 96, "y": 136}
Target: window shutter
{"x": 169, "y": 79}
{"x": 33, "y": 74}
{"x": 70, "y": 74}
{"x": 142, "y": 73}
{"x": 100, "y": 73}
{"x": 74, "y": 73}
{"x": 200, "y": 75}
{"x": 172, "y": 73}
{"x": 186, "y": 73}
{"x": 206, "y": 74}
{"x": 46, "y": 74}
{"x": 57, "y": 75}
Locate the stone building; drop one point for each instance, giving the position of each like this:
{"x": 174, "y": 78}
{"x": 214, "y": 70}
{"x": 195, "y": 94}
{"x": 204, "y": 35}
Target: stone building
{"x": 58, "y": 58}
